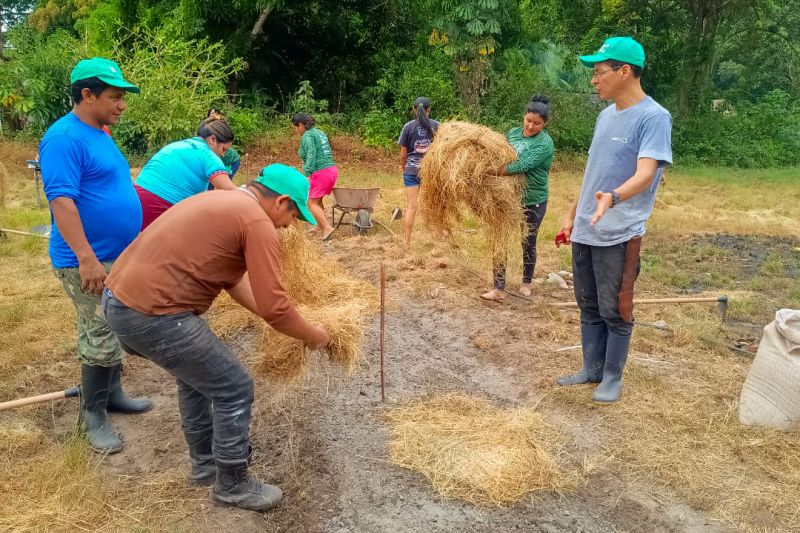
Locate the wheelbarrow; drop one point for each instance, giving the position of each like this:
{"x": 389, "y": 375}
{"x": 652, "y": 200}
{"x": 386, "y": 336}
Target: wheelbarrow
{"x": 348, "y": 200}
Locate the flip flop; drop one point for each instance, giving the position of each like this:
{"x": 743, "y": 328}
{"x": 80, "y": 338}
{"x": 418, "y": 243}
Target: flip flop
{"x": 525, "y": 291}
{"x": 493, "y": 298}
{"x": 328, "y": 236}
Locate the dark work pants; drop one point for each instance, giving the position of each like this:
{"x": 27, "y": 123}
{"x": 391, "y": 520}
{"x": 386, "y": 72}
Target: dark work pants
{"x": 214, "y": 389}
{"x": 597, "y": 278}
{"x": 534, "y": 214}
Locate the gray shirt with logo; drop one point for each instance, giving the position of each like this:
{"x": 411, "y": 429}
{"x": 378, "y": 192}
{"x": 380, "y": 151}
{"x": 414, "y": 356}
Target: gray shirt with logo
{"x": 620, "y": 139}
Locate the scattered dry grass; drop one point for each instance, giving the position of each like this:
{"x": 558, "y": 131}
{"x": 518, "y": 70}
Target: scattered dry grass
{"x": 471, "y": 450}
{"x": 460, "y": 170}
{"x": 50, "y": 486}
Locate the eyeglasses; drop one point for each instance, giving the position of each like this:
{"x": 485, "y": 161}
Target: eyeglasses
{"x": 599, "y": 74}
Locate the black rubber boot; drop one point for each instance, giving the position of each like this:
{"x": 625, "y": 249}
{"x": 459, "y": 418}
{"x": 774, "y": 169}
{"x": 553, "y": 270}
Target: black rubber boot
{"x": 119, "y": 403}
{"x": 204, "y": 468}
{"x": 235, "y": 487}
{"x": 95, "y": 389}
{"x": 616, "y": 356}
{"x": 593, "y": 342}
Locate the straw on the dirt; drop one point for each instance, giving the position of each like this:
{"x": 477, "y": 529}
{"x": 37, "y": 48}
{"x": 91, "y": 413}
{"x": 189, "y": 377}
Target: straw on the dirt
{"x": 462, "y": 169}
{"x": 472, "y": 450}
{"x": 285, "y": 358}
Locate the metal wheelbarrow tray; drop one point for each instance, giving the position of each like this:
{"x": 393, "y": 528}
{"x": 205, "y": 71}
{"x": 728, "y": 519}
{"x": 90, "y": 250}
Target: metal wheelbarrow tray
{"x": 351, "y": 200}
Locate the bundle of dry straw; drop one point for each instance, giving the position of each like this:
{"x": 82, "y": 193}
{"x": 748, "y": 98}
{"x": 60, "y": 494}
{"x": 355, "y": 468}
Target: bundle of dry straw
{"x": 471, "y": 450}
{"x": 463, "y": 169}
{"x": 286, "y": 358}
{"x": 325, "y": 294}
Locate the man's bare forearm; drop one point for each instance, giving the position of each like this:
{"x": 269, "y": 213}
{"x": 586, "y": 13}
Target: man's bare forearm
{"x": 645, "y": 173}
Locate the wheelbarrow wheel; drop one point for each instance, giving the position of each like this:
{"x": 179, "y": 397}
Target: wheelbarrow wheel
{"x": 363, "y": 222}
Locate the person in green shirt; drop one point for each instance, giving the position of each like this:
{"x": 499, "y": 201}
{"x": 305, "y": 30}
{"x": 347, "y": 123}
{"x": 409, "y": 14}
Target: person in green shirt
{"x": 318, "y": 166}
{"x": 534, "y": 149}
{"x": 231, "y": 159}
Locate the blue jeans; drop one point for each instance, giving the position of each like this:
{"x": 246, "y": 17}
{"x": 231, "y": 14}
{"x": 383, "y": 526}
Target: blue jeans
{"x": 215, "y": 391}
{"x": 411, "y": 180}
{"x": 597, "y": 278}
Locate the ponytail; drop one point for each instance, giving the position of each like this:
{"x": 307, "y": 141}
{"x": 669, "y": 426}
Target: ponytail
{"x": 421, "y": 105}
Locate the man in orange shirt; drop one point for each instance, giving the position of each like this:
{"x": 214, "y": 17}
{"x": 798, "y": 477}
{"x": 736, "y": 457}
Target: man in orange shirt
{"x": 171, "y": 274}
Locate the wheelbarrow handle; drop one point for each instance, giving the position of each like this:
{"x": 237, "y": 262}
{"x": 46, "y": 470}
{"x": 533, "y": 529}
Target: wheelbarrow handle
{"x": 69, "y": 393}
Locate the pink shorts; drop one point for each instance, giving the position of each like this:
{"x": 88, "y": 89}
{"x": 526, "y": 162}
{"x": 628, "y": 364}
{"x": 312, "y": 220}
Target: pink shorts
{"x": 323, "y": 181}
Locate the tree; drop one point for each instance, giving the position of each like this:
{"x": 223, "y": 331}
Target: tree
{"x": 468, "y": 30}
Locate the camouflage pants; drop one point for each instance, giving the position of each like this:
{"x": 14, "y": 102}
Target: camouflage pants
{"x": 97, "y": 345}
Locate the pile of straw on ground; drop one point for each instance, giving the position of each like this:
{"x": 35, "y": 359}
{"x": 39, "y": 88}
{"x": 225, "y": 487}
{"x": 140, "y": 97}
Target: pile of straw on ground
{"x": 463, "y": 169}
{"x": 472, "y": 450}
{"x": 324, "y": 293}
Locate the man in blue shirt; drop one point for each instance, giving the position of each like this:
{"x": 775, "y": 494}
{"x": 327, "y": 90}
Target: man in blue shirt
{"x": 95, "y": 215}
{"x": 631, "y": 145}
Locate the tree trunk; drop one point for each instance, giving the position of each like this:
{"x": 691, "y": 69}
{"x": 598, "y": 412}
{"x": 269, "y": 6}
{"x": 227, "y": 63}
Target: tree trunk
{"x": 698, "y": 59}
{"x": 470, "y": 78}
{"x": 258, "y": 27}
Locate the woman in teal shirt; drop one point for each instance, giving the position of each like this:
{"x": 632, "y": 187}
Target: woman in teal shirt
{"x": 185, "y": 168}
{"x": 535, "y": 150}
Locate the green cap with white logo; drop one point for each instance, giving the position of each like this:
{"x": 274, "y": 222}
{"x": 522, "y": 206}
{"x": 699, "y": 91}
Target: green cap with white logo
{"x": 105, "y": 70}
{"x": 622, "y": 49}
{"x": 287, "y": 180}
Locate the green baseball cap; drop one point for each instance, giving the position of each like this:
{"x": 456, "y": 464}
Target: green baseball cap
{"x": 623, "y": 49}
{"x": 103, "y": 69}
{"x": 284, "y": 179}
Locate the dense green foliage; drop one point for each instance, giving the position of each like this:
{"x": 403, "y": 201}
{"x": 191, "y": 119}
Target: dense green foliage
{"x": 727, "y": 69}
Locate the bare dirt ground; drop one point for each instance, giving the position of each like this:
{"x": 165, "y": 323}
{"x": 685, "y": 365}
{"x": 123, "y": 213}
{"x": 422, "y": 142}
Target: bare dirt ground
{"x": 324, "y": 442}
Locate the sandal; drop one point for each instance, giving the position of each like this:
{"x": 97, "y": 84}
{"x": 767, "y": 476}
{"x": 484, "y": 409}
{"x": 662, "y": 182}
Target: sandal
{"x": 494, "y": 296}
{"x": 525, "y": 290}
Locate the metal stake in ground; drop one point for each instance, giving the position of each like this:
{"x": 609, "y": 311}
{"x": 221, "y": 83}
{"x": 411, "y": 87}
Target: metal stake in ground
{"x": 383, "y": 321}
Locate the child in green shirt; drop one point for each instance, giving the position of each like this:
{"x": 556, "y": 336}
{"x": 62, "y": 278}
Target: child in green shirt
{"x": 318, "y": 166}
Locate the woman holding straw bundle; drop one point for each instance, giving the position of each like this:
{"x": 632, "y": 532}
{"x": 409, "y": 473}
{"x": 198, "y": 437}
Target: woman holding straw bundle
{"x": 185, "y": 168}
{"x": 535, "y": 150}
{"x": 415, "y": 138}
{"x": 318, "y": 166}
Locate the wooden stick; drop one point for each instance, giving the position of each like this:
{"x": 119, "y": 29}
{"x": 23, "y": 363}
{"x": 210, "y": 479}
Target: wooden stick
{"x": 658, "y": 301}
{"x": 383, "y": 322}
{"x": 69, "y": 393}
{"x": 25, "y": 233}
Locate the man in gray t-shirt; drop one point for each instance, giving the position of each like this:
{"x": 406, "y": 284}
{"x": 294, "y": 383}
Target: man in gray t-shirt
{"x": 631, "y": 145}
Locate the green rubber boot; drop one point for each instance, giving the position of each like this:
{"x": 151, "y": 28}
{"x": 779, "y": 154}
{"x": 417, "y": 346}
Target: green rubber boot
{"x": 616, "y": 356}
{"x": 95, "y": 390}
{"x": 118, "y": 402}
{"x": 593, "y": 342}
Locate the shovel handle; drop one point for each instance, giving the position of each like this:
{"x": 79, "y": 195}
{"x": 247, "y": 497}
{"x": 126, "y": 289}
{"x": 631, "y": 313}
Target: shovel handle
{"x": 23, "y": 233}
{"x": 69, "y": 393}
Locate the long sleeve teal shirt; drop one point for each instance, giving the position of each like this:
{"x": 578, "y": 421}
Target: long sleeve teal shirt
{"x": 535, "y": 156}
